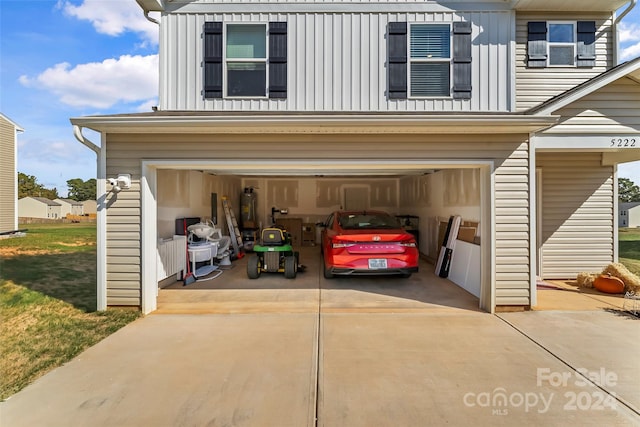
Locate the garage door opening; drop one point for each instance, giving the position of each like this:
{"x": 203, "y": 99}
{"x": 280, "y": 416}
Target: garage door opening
{"x": 422, "y": 196}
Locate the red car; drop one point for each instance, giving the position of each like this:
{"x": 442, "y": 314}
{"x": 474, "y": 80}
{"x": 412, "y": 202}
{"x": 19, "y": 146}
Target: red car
{"x": 367, "y": 243}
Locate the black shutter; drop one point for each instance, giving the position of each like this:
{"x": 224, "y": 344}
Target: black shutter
{"x": 212, "y": 60}
{"x": 462, "y": 60}
{"x": 537, "y": 44}
{"x": 586, "y": 44}
{"x": 277, "y": 59}
{"x": 397, "y": 61}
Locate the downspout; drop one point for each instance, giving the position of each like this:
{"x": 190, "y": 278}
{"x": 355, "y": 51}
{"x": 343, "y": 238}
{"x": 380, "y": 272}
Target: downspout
{"x": 101, "y": 219}
{"x": 616, "y": 35}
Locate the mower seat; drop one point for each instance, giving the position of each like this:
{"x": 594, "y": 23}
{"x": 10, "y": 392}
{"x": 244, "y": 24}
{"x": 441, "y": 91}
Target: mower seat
{"x": 273, "y": 237}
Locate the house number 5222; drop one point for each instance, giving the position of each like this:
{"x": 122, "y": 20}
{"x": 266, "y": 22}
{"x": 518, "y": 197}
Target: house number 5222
{"x": 623, "y": 142}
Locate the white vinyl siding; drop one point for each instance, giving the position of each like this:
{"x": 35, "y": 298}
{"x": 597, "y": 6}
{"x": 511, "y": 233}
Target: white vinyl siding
{"x": 336, "y": 62}
{"x": 8, "y": 177}
{"x": 577, "y": 214}
{"x": 612, "y": 109}
{"x": 536, "y": 85}
{"x": 512, "y": 229}
{"x": 125, "y": 153}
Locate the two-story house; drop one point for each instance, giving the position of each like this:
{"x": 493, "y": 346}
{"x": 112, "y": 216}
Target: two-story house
{"x": 512, "y": 114}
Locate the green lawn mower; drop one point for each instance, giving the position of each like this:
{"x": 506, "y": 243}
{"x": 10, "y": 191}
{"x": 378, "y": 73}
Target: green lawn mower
{"x": 274, "y": 254}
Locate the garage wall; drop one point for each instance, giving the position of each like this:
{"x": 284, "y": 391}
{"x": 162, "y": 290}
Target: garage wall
{"x": 509, "y": 153}
{"x": 313, "y": 199}
{"x": 183, "y": 193}
{"x": 577, "y": 214}
{"x": 435, "y": 197}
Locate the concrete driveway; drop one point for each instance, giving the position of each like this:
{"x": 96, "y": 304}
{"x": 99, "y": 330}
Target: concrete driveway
{"x": 352, "y": 353}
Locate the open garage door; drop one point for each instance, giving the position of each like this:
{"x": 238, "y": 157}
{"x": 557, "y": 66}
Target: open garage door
{"x": 430, "y": 191}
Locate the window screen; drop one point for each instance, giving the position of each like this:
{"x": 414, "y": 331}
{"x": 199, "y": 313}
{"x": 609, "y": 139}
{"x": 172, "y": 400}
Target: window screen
{"x": 246, "y": 56}
{"x": 430, "y": 58}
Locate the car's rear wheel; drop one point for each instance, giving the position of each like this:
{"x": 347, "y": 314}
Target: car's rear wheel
{"x": 327, "y": 272}
{"x": 253, "y": 267}
{"x": 290, "y": 267}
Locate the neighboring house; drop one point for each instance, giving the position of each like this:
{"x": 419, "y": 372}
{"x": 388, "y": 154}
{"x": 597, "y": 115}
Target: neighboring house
{"x": 8, "y": 174}
{"x": 69, "y": 207}
{"x": 511, "y": 114}
{"x": 39, "y": 207}
{"x": 89, "y": 207}
{"x": 629, "y": 214}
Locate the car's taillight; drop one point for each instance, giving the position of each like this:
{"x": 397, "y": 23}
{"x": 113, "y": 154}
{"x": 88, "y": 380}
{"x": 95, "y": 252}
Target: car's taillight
{"x": 408, "y": 244}
{"x": 336, "y": 244}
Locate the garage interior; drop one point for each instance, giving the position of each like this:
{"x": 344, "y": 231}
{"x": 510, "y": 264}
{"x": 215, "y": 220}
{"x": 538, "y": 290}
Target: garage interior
{"x": 422, "y": 197}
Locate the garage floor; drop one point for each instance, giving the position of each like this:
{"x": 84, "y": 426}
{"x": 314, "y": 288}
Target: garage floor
{"x": 233, "y": 292}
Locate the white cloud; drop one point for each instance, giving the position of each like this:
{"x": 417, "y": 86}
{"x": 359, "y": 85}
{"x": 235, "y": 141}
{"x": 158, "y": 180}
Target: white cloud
{"x": 101, "y": 84}
{"x": 630, "y": 52}
{"x": 629, "y": 32}
{"x": 113, "y": 17}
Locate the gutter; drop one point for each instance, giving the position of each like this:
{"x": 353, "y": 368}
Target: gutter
{"x": 146, "y": 13}
{"x": 616, "y": 23}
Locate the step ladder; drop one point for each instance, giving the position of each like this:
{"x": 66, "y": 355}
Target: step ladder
{"x": 234, "y": 231}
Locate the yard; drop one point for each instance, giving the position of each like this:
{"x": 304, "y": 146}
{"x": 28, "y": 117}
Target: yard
{"x": 48, "y": 302}
{"x": 629, "y": 246}
{"x": 48, "y": 299}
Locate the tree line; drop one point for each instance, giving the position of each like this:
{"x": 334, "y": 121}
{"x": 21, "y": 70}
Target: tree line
{"x": 78, "y": 189}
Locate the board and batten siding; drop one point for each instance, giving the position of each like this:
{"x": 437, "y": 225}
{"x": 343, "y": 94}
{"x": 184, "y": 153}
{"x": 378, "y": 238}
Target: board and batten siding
{"x": 125, "y": 153}
{"x": 577, "y": 214}
{"x": 536, "y": 85}
{"x": 8, "y": 196}
{"x": 336, "y": 62}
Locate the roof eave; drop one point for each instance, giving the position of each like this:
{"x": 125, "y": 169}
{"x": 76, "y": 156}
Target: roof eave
{"x": 319, "y": 124}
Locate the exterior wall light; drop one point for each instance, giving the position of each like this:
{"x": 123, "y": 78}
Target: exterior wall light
{"x": 123, "y": 182}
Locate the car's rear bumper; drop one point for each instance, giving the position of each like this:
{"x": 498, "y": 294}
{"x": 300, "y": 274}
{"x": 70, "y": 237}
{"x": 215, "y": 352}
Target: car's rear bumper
{"x": 339, "y": 271}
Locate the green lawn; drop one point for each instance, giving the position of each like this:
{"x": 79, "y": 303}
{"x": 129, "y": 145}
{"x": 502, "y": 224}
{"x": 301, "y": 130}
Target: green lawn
{"x": 48, "y": 302}
{"x": 629, "y": 247}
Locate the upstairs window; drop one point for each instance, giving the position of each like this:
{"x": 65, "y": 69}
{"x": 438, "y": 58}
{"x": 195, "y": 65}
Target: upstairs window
{"x": 561, "y": 44}
{"x": 430, "y": 60}
{"x": 433, "y": 61}
{"x": 246, "y": 60}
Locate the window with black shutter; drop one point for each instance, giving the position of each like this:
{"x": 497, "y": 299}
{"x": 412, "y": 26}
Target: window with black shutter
{"x": 561, "y": 44}
{"x": 238, "y": 66}
{"x": 429, "y": 60}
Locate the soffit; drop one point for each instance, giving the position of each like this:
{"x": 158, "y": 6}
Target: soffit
{"x": 568, "y": 6}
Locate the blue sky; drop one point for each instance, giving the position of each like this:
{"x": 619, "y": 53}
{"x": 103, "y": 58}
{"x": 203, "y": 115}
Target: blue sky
{"x": 72, "y": 58}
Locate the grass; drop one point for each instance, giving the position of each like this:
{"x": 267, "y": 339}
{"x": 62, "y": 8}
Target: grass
{"x": 48, "y": 302}
{"x": 629, "y": 247}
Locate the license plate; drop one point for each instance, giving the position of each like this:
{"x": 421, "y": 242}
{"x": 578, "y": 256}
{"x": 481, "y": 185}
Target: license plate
{"x": 376, "y": 264}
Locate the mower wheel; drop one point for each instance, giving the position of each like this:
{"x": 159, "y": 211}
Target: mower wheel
{"x": 290, "y": 267}
{"x": 254, "y": 267}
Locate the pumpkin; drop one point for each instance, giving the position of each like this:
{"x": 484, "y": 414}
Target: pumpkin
{"x": 608, "y": 284}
